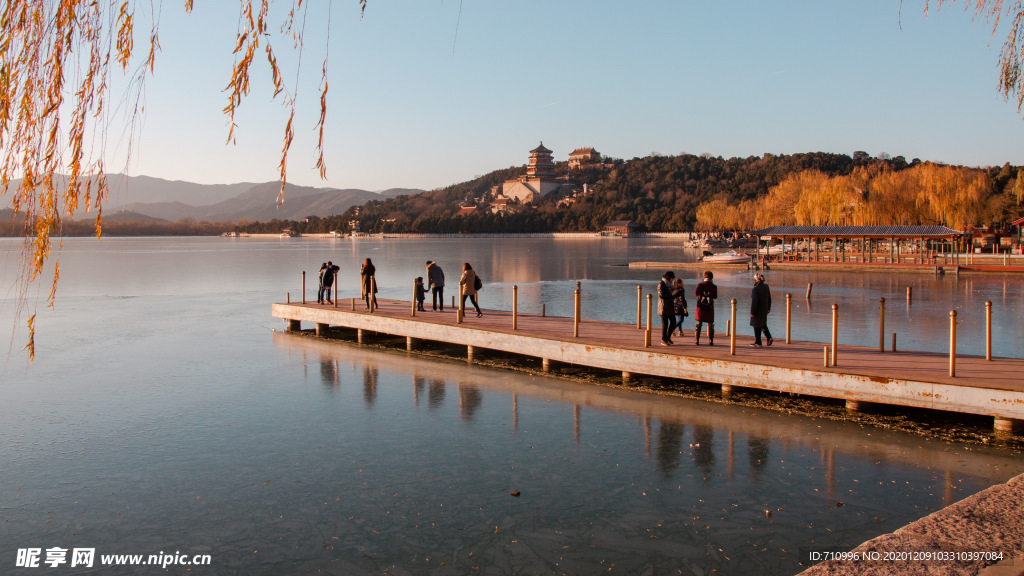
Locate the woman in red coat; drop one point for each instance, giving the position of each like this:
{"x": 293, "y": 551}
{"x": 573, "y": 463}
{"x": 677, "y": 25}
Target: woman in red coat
{"x": 706, "y": 293}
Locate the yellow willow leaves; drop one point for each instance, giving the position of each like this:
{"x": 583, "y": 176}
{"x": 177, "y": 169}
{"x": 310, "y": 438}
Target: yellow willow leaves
{"x": 55, "y": 64}
{"x": 1011, "y": 57}
{"x": 924, "y": 194}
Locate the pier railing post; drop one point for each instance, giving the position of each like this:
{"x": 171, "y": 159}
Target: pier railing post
{"x": 809, "y": 286}
{"x": 910, "y": 292}
{"x": 835, "y": 334}
{"x": 336, "y": 292}
{"x": 988, "y": 330}
{"x": 373, "y": 294}
{"x": 303, "y": 286}
{"x": 413, "y": 314}
{"x": 639, "y": 304}
{"x": 515, "y": 307}
{"x": 952, "y": 343}
{"x": 732, "y": 334}
{"x": 576, "y": 312}
{"x": 647, "y": 333}
{"x": 789, "y": 315}
{"x": 881, "y": 325}
{"x": 460, "y": 312}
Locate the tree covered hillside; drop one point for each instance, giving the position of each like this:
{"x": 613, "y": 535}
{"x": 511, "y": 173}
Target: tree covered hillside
{"x": 661, "y": 193}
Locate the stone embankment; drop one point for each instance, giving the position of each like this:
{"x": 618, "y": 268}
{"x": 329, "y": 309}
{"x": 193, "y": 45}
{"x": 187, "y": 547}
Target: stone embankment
{"x": 991, "y": 521}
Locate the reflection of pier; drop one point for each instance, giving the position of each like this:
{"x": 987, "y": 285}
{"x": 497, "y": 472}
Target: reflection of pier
{"x": 864, "y": 375}
{"x": 716, "y": 437}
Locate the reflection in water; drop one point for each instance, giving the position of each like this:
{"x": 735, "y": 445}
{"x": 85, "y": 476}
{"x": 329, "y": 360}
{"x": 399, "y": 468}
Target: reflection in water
{"x": 369, "y": 385}
{"x": 419, "y": 384}
{"x": 703, "y": 449}
{"x": 670, "y": 446}
{"x": 757, "y": 454}
{"x": 470, "y": 400}
{"x": 435, "y": 396}
{"x": 622, "y": 473}
{"x": 329, "y": 372}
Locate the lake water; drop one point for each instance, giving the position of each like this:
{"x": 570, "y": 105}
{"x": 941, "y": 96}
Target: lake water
{"x": 166, "y": 413}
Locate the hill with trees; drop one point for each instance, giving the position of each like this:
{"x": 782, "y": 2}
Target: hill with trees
{"x": 687, "y": 192}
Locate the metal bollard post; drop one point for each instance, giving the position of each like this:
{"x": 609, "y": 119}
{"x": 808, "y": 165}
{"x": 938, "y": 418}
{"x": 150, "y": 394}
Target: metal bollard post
{"x": 732, "y": 333}
{"x": 647, "y": 334}
{"x": 543, "y": 310}
{"x": 576, "y": 313}
{"x": 789, "y": 315}
{"x": 881, "y": 325}
{"x": 809, "y": 286}
{"x": 515, "y": 307}
{"x": 287, "y": 297}
{"x": 639, "y": 304}
{"x": 303, "y": 286}
{"x": 835, "y": 334}
{"x": 893, "y": 341}
{"x": 988, "y": 330}
{"x": 952, "y": 343}
{"x": 460, "y": 312}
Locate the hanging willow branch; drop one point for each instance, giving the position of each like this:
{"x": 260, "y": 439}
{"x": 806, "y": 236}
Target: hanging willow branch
{"x": 55, "y": 66}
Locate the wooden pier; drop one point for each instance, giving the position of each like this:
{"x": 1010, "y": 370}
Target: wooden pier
{"x": 860, "y": 376}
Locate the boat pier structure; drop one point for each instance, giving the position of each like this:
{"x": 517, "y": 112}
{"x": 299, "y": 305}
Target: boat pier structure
{"x": 858, "y": 375}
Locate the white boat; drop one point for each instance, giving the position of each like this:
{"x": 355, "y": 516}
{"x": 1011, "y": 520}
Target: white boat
{"x": 730, "y": 257}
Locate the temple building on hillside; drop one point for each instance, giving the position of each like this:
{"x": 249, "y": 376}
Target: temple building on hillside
{"x": 539, "y": 180}
{"x": 581, "y": 156}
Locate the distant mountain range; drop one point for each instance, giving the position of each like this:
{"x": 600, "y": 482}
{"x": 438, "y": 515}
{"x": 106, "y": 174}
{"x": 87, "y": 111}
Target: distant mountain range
{"x": 142, "y": 198}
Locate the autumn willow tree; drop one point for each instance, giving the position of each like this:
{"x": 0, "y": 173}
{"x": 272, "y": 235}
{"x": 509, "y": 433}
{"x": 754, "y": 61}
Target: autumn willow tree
{"x": 57, "y": 60}
{"x": 923, "y": 194}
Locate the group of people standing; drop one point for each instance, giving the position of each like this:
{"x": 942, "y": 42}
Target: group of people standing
{"x": 469, "y": 282}
{"x": 672, "y": 308}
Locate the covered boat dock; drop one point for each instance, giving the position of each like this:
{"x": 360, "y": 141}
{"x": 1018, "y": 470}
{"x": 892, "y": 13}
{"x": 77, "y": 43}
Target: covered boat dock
{"x": 865, "y": 244}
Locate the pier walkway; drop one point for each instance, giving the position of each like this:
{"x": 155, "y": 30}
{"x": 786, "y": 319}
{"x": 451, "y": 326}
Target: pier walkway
{"x": 860, "y": 376}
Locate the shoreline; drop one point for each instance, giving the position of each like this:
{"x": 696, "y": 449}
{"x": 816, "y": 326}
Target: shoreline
{"x": 991, "y": 521}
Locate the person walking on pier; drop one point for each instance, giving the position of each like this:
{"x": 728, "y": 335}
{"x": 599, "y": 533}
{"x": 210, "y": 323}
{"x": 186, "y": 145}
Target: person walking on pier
{"x": 760, "y": 306}
{"x": 435, "y": 280}
{"x": 469, "y": 283}
{"x": 327, "y": 280}
{"x": 368, "y": 283}
{"x": 680, "y": 304}
{"x": 706, "y": 294}
{"x": 667, "y": 307}
{"x": 320, "y": 290}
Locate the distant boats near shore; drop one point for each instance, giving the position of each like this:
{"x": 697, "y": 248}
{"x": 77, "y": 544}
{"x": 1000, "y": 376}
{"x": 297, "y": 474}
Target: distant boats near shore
{"x": 730, "y": 257}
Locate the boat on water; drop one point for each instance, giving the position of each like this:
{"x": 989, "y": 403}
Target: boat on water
{"x": 730, "y": 257}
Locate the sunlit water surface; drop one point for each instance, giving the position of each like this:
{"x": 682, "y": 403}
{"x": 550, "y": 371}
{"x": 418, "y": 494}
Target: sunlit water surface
{"x": 164, "y": 413}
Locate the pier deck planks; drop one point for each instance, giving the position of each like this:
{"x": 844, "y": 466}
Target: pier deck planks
{"x": 863, "y": 374}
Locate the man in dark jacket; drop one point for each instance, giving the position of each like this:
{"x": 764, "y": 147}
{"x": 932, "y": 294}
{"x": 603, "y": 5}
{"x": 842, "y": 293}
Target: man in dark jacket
{"x": 435, "y": 280}
{"x": 760, "y": 306}
{"x": 328, "y": 279}
{"x": 666, "y": 306}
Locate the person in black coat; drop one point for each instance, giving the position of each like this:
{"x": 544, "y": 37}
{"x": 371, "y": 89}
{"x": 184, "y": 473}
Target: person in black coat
{"x": 760, "y": 306}
{"x": 667, "y": 306}
{"x": 706, "y": 293}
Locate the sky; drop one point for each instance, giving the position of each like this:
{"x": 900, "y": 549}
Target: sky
{"x": 428, "y": 94}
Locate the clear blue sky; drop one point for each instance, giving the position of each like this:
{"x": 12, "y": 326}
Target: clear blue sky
{"x": 412, "y": 103}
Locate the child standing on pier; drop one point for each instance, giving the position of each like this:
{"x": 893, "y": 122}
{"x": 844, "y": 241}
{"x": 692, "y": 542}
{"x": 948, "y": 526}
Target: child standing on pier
{"x": 421, "y": 293}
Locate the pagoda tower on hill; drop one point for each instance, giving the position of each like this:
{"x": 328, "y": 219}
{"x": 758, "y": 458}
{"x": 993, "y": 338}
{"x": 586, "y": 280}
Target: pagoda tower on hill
{"x": 540, "y": 179}
{"x": 541, "y": 165}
